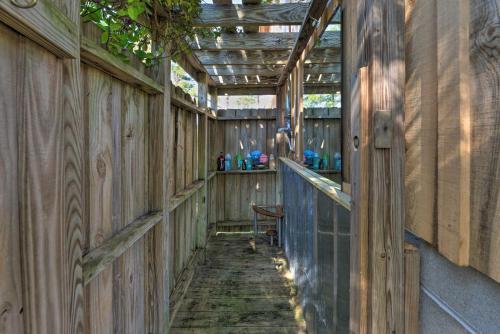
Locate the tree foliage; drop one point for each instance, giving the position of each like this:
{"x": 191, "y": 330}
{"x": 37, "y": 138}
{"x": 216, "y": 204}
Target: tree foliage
{"x": 145, "y": 28}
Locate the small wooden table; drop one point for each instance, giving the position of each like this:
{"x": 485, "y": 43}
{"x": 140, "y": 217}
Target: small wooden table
{"x": 275, "y": 212}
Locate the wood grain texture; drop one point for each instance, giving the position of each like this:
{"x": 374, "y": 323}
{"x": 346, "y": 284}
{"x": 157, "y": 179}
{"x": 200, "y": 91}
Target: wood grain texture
{"x": 98, "y": 106}
{"x": 94, "y": 55}
{"x": 260, "y": 41}
{"x": 45, "y": 24}
{"x": 421, "y": 118}
{"x": 11, "y": 289}
{"x": 97, "y": 259}
{"x": 485, "y": 142}
{"x": 454, "y": 131}
{"x": 412, "y": 289}
{"x": 43, "y": 239}
{"x": 228, "y": 15}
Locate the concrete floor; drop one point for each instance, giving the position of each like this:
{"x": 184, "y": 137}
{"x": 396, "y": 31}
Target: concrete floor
{"x": 240, "y": 289}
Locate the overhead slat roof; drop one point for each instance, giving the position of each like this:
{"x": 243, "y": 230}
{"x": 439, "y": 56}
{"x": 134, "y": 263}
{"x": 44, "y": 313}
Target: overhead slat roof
{"x": 273, "y": 36}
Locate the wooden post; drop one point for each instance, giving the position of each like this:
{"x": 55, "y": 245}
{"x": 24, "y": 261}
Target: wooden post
{"x": 299, "y": 108}
{"x": 202, "y": 159}
{"x": 377, "y": 170}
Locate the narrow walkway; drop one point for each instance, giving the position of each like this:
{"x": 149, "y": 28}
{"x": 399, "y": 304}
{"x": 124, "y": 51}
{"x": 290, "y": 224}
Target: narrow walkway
{"x": 240, "y": 289}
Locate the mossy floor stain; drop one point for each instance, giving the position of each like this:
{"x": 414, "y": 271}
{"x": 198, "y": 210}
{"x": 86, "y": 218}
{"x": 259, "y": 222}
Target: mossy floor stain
{"x": 242, "y": 288}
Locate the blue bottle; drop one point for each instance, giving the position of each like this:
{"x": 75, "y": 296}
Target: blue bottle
{"x": 337, "y": 162}
{"x": 228, "y": 161}
{"x": 316, "y": 161}
{"x": 248, "y": 162}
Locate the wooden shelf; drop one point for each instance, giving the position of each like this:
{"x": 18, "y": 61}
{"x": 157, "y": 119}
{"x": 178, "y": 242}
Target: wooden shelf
{"x": 253, "y": 171}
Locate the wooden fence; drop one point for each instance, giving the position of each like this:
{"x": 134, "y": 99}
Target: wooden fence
{"x": 102, "y": 190}
{"x": 452, "y": 130}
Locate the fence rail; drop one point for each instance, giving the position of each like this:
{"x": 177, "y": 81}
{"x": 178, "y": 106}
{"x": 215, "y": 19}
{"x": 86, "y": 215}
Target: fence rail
{"x": 317, "y": 242}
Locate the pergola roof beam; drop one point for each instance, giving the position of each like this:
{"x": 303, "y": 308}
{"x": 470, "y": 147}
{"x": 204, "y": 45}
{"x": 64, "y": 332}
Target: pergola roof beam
{"x": 252, "y": 15}
{"x": 261, "y": 41}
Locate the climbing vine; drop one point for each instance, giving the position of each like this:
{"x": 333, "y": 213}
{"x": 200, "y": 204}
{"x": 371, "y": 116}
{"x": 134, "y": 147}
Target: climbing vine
{"x": 145, "y": 28}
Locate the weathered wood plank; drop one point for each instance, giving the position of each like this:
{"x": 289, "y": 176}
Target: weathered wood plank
{"x": 99, "y": 294}
{"x": 11, "y": 290}
{"x": 307, "y": 29}
{"x": 454, "y": 131}
{"x": 421, "y": 103}
{"x": 184, "y": 194}
{"x": 44, "y": 24}
{"x": 251, "y": 15}
{"x": 261, "y": 41}
{"x": 41, "y": 197}
{"x": 412, "y": 289}
{"x": 485, "y": 142}
{"x": 97, "y": 259}
{"x": 94, "y": 55}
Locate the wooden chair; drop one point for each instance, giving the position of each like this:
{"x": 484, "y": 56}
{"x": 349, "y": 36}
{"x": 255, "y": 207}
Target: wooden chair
{"x": 276, "y": 212}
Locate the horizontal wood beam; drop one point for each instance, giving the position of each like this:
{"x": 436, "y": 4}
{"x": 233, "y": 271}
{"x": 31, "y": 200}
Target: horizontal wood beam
{"x": 271, "y": 70}
{"x": 265, "y": 70}
{"x": 247, "y": 41}
{"x": 326, "y": 68}
{"x": 99, "y": 258}
{"x": 184, "y": 194}
{"x": 240, "y": 90}
{"x": 251, "y": 15}
{"x": 243, "y": 57}
{"x": 326, "y": 186}
{"x": 96, "y": 56}
{"x": 261, "y": 41}
{"x": 321, "y": 88}
{"x": 252, "y": 57}
{"x": 246, "y": 80}
{"x": 45, "y": 24}
{"x": 307, "y": 30}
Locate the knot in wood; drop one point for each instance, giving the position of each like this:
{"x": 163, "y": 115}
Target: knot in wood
{"x": 101, "y": 165}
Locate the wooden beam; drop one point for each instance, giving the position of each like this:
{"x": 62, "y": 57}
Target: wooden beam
{"x": 44, "y": 24}
{"x": 99, "y": 258}
{"x": 377, "y": 290}
{"x": 246, "y": 80}
{"x": 202, "y": 230}
{"x": 243, "y": 57}
{"x": 247, "y": 41}
{"x": 264, "y": 70}
{"x": 240, "y": 90}
{"x": 324, "y": 56}
{"x": 322, "y": 88}
{"x": 261, "y": 41}
{"x": 319, "y": 68}
{"x": 313, "y": 14}
{"x": 94, "y": 55}
{"x": 251, "y": 15}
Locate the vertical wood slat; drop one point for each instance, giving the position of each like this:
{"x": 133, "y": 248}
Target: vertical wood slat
{"x": 485, "y": 143}
{"x": 421, "y": 117}
{"x": 203, "y": 150}
{"x": 101, "y": 160}
{"x": 412, "y": 289}
{"x": 360, "y": 102}
{"x": 380, "y": 45}
{"x": 11, "y": 290}
{"x": 454, "y": 131}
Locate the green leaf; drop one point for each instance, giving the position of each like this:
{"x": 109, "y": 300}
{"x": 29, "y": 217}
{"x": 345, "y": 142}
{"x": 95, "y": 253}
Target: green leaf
{"x": 104, "y": 37}
{"x": 135, "y": 10}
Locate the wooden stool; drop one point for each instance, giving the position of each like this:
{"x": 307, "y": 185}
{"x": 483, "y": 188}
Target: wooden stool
{"x": 276, "y": 214}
